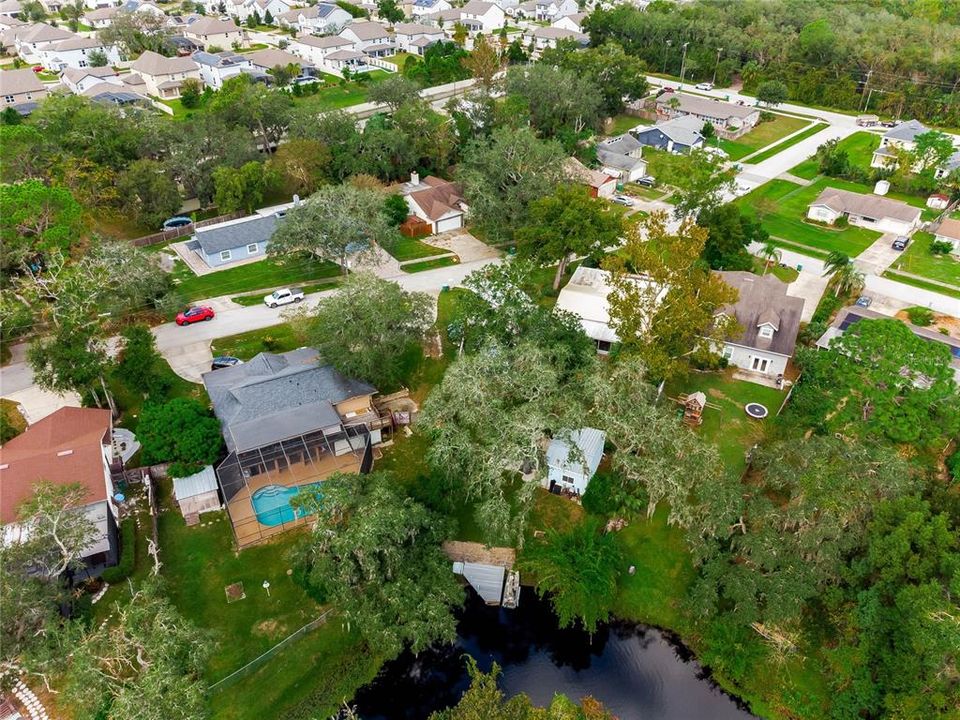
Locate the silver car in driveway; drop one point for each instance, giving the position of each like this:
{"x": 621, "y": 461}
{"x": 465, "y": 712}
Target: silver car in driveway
{"x": 623, "y": 200}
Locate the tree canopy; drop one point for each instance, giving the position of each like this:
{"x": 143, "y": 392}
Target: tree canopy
{"x": 182, "y": 432}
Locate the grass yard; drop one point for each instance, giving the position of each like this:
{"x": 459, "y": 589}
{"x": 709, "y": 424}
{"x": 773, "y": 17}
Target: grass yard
{"x": 728, "y": 425}
{"x": 430, "y": 264}
{"x": 932, "y": 287}
{"x": 644, "y": 193}
{"x": 859, "y": 146}
{"x": 781, "y": 272}
{"x": 266, "y": 273}
{"x": 404, "y": 248}
{"x": 277, "y": 338}
{"x": 918, "y": 259}
{"x": 782, "y": 207}
{"x": 762, "y": 135}
{"x": 619, "y": 124}
{"x": 334, "y": 96}
{"x": 780, "y": 147}
{"x": 308, "y": 289}
{"x": 400, "y": 59}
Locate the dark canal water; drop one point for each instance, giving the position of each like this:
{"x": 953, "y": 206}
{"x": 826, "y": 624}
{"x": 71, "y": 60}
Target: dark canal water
{"x": 639, "y": 673}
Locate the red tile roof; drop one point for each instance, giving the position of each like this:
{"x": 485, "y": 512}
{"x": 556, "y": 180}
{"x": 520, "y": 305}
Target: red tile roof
{"x": 65, "y": 447}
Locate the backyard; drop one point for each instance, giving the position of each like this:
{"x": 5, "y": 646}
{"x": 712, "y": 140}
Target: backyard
{"x": 918, "y": 260}
{"x": 782, "y": 207}
{"x": 762, "y": 135}
{"x": 334, "y": 95}
{"x": 619, "y": 124}
{"x": 265, "y": 274}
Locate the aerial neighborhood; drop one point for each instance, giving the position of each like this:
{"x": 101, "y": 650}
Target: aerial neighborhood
{"x": 460, "y": 359}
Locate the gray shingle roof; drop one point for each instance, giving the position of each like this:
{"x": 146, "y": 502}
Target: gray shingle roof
{"x": 274, "y": 397}
{"x": 236, "y": 233}
{"x": 764, "y": 299}
{"x": 684, "y": 130}
{"x": 906, "y": 131}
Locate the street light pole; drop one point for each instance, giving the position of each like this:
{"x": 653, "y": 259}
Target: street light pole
{"x": 665, "y": 47}
{"x": 683, "y": 65}
{"x": 715, "y": 67}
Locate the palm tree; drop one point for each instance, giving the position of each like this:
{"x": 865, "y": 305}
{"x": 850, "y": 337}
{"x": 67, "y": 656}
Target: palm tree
{"x": 841, "y": 270}
{"x": 769, "y": 253}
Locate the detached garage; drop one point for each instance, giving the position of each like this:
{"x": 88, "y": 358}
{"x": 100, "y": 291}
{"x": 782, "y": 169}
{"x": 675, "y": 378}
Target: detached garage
{"x": 196, "y": 494}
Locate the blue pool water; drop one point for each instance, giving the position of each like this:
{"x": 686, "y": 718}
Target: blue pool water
{"x": 272, "y": 504}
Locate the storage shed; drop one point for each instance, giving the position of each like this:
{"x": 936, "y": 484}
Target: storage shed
{"x": 197, "y": 493}
{"x": 573, "y": 457}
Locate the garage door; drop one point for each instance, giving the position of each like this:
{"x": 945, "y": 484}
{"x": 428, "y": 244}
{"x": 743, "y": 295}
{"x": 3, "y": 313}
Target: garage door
{"x": 449, "y": 224}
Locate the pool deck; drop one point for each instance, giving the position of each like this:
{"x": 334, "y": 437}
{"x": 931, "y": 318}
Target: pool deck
{"x": 248, "y": 530}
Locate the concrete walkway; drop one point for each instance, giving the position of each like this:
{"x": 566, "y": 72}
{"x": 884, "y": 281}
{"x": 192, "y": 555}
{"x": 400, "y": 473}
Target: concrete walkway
{"x": 464, "y": 245}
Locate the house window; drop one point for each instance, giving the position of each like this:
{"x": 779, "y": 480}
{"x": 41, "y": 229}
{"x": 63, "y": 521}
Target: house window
{"x": 603, "y": 346}
{"x": 8, "y": 98}
{"x": 766, "y": 331}
{"x": 759, "y": 364}
{"x": 225, "y": 255}
{"x": 252, "y": 249}
{"x": 567, "y": 479}
{"x": 728, "y": 352}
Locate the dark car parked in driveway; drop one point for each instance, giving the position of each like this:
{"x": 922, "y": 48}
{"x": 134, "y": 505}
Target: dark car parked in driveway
{"x": 901, "y": 243}
{"x": 224, "y": 361}
{"x": 192, "y": 315}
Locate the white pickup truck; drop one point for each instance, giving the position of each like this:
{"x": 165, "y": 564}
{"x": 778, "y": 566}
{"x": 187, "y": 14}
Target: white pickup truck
{"x": 284, "y": 296}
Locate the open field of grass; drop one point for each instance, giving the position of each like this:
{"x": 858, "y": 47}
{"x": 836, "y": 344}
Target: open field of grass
{"x": 762, "y": 135}
{"x": 267, "y": 273}
{"x": 644, "y": 193}
{"x": 780, "y": 147}
{"x": 782, "y": 208}
{"x": 859, "y": 146}
{"x": 404, "y": 248}
{"x": 430, "y": 264}
{"x": 918, "y": 259}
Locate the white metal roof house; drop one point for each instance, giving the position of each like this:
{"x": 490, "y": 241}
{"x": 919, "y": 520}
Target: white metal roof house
{"x": 869, "y": 211}
{"x": 572, "y": 459}
{"x": 320, "y": 18}
{"x": 197, "y": 493}
{"x": 586, "y": 296}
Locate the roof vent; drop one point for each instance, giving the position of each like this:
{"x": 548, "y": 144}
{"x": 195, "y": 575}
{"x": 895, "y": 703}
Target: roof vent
{"x": 4, "y": 466}
{"x": 62, "y": 453}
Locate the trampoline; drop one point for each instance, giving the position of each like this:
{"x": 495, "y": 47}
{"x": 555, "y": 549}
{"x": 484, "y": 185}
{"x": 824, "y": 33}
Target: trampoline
{"x": 756, "y": 411}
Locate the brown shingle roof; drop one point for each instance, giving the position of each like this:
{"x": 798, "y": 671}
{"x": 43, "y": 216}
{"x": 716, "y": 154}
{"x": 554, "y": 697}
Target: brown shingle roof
{"x": 16, "y": 82}
{"x": 706, "y": 107}
{"x": 439, "y": 199}
{"x": 949, "y": 228}
{"x": 64, "y": 447}
{"x": 151, "y": 63}
{"x": 844, "y": 201}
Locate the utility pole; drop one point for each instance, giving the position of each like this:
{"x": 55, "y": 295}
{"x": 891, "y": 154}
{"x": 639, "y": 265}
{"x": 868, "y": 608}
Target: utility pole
{"x": 869, "y": 95}
{"x": 716, "y": 67}
{"x": 665, "y": 48}
{"x": 866, "y": 83}
{"x": 683, "y": 65}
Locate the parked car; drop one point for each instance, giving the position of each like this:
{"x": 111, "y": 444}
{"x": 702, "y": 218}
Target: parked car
{"x": 38, "y": 68}
{"x": 225, "y": 361}
{"x": 623, "y": 200}
{"x": 284, "y": 296}
{"x": 704, "y": 86}
{"x": 864, "y": 301}
{"x": 176, "y": 222}
{"x": 901, "y": 242}
{"x": 648, "y": 181}
{"x": 191, "y": 315}
{"x": 888, "y": 124}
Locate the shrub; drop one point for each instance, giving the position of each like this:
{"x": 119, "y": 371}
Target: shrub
{"x": 940, "y": 247}
{"x": 128, "y": 553}
{"x": 920, "y": 316}
{"x": 842, "y": 222}
{"x": 601, "y": 495}
{"x": 953, "y": 465}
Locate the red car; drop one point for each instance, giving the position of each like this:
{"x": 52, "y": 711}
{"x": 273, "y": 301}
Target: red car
{"x": 38, "y": 68}
{"x": 195, "y": 314}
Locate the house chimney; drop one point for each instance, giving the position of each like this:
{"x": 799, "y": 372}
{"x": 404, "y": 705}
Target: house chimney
{"x": 414, "y": 178}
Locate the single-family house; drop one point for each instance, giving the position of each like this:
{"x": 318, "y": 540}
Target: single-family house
{"x": 599, "y": 183}
{"x": 109, "y": 93}
{"x": 29, "y": 39}
{"x": 80, "y": 79}
{"x": 215, "y": 68}
{"x": 72, "y": 445}
{"x": 550, "y": 10}
{"x": 487, "y": 17}
{"x": 288, "y": 422}
{"x": 572, "y": 22}
{"x": 415, "y": 38}
{"x": 102, "y": 85}
{"x": 429, "y": 7}
{"x": 197, "y": 493}
{"x": 949, "y": 232}
{"x": 729, "y": 120}
{"x": 208, "y": 32}
{"x": 573, "y": 457}
{"x": 526, "y": 10}
{"x": 850, "y": 316}
{"x": 21, "y": 90}
{"x": 586, "y": 296}
{"x": 681, "y": 134}
{"x": 437, "y": 202}
{"x": 869, "y": 211}
{"x": 270, "y": 58}
{"x": 9, "y": 23}
{"x": 902, "y": 136}
{"x": 94, "y": 4}
{"x": 163, "y": 76}
{"x": 548, "y": 37}
{"x": 244, "y": 238}
{"x": 370, "y": 38}
{"x": 621, "y": 157}
{"x": 265, "y": 9}
{"x": 10, "y": 8}
{"x": 769, "y": 319}
{"x": 315, "y": 49}
{"x": 320, "y": 18}
{"x": 103, "y": 17}
{"x": 53, "y": 7}
{"x": 75, "y": 52}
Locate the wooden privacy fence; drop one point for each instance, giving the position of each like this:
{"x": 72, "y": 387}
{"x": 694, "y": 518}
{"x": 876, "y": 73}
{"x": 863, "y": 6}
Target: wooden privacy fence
{"x": 174, "y": 233}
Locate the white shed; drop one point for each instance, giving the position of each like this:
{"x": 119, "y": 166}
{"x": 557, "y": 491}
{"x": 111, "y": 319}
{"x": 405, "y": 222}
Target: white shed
{"x": 573, "y": 457}
{"x": 197, "y": 493}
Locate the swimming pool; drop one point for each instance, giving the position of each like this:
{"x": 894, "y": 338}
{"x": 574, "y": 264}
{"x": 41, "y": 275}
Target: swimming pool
{"x": 272, "y": 504}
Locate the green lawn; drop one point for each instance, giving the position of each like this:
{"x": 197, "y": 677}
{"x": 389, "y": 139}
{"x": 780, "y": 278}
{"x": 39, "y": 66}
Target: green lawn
{"x": 334, "y": 96}
{"x": 308, "y": 289}
{"x": 893, "y": 275}
{"x": 728, "y": 425}
{"x": 619, "y": 124}
{"x": 277, "y": 338}
{"x": 918, "y": 259}
{"x": 782, "y": 207}
{"x": 267, "y": 273}
{"x": 761, "y": 136}
{"x": 130, "y": 400}
{"x": 780, "y": 147}
{"x": 400, "y": 59}
{"x": 645, "y": 193}
{"x": 430, "y": 264}
{"x": 786, "y": 274}
{"x": 404, "y": 248}
{"x": 859, "y": 146}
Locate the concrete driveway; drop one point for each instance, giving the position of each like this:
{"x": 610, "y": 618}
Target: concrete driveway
{"x": 810, "y": 286}
{"x": 878, "y": 257}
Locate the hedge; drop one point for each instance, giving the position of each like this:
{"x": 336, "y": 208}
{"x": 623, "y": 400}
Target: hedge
{"x": 128, "y": 553}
